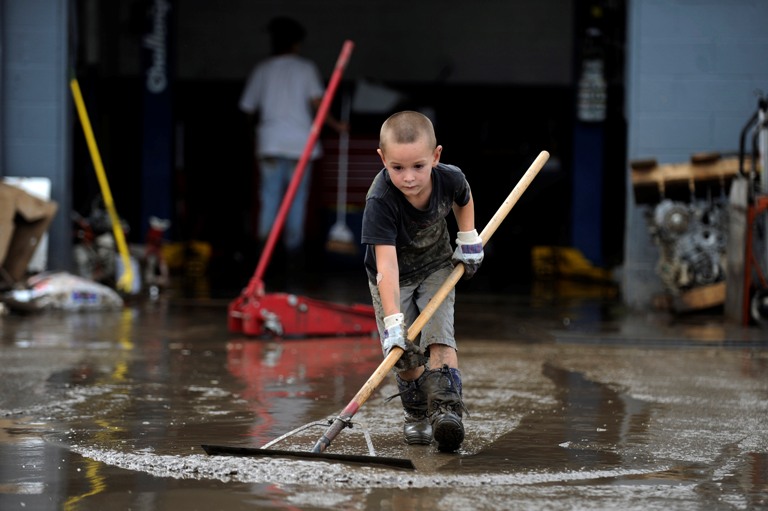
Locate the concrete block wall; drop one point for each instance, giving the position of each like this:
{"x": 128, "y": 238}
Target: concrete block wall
{"x": 693, "y": 69}
{"x": 35, "y": 106}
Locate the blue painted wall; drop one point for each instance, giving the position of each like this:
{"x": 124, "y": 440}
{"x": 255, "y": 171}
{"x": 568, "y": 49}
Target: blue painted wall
{"x": 693, "y": 68}
{"x": 35, "y": 107}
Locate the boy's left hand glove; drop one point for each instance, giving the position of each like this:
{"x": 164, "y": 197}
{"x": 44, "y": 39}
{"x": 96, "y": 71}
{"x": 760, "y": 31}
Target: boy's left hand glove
{"x": 469, "y": 250}
{"x": 394, "y": 335}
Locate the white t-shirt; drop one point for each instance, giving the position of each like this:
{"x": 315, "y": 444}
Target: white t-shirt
{"x": 281, "y": 89}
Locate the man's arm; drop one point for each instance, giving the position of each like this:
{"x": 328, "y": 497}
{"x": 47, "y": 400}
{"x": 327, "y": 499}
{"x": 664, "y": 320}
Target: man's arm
{"x": 330, "y": 120}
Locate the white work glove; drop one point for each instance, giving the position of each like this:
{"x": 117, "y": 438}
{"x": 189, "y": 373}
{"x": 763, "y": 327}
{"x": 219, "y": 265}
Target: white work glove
{"x": 394, "y": 335}
{"x": 469, "y": 251}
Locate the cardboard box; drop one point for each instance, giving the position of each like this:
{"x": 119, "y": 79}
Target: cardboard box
{"x": 39, "y": 187}
{"x": 24, "y": 219}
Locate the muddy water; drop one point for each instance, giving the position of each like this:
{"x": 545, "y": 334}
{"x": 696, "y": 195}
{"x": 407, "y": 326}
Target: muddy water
{"x": 108, "y": 411}
{"x": 581, "y": 431}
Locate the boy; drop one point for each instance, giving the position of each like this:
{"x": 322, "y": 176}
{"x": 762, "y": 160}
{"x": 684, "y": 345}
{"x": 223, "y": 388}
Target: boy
{"x": 408, "y": 257}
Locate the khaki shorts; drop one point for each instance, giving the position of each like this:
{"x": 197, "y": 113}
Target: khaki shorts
{"x": 413, "y": 299}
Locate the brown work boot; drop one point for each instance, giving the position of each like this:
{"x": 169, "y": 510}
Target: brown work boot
{"x": 445, "y": 407}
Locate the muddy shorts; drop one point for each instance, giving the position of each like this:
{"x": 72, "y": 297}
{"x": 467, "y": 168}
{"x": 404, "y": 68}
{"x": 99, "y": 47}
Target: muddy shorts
{"x": 413, "y": 299}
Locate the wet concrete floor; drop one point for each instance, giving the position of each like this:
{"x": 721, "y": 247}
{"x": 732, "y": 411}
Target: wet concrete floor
{"x": 573, "y": 404}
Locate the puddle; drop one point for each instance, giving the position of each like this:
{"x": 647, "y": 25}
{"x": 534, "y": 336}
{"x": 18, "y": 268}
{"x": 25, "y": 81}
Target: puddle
{"x": 243, "y": 392}
{"x": 585, "y": 430}
{"x": 740, "y": 479}
{"x": 111, "y": 414}
{"x": 581, "y": 437}
{"x": 283, "y": 382}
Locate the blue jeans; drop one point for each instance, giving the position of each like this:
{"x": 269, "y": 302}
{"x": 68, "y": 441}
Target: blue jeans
{"x": 275, "y": 175}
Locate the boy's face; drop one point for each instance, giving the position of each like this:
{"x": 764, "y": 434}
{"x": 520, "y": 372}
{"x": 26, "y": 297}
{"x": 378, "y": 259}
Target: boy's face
{"x": 410, "y": 166}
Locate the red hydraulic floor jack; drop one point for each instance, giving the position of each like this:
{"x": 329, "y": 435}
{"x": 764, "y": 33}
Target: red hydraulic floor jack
{"x": 256, "y": 312}
{"x": 755, "y": 291}
{"x": 747, "y": 289}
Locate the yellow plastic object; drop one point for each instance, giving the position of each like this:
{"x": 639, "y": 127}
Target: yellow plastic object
{"x": 565, "y": 262}
{"x": 125, "y": 281}
{"x": 180, "y": 254}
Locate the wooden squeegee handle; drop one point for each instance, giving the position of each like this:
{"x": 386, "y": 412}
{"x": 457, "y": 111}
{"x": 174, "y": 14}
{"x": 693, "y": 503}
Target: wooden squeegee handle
{"x": 426, "y": 314}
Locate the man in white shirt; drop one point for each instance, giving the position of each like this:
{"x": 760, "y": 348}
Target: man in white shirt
{"x": 281, "y": 95}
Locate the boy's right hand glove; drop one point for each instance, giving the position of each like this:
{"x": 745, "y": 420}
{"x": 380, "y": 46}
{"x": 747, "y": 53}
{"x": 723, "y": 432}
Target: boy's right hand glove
{"x": 394, "y": 335}
{"x": 469, "y": 251}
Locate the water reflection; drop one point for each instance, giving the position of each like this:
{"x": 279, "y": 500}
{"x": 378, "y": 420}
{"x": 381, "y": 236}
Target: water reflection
{"x": 30, "y": 468}
{"x": 582, "y": 432}
{"x": 755, "y": 480}
{"x": 292, "y": 382}
{"x": 96, "y": 481}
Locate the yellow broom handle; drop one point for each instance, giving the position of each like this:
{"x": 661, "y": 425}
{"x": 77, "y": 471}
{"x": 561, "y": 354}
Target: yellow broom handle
{"x": 126, "y": 278}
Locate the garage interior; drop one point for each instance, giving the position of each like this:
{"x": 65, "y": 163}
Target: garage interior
{"x": 501, "y": 84}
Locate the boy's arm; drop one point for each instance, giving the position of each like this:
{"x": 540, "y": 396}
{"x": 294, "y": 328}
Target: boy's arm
{"x": 465, "y": 215}
{"x": 388, "y": 278}
{"x": 469, "y": 245}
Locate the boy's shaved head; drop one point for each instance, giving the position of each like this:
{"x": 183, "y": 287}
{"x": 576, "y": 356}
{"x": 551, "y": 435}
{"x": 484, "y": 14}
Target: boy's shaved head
{"x": 406, "y": 128}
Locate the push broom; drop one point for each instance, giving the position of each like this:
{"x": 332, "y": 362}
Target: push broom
{"x": 340, "y": 238}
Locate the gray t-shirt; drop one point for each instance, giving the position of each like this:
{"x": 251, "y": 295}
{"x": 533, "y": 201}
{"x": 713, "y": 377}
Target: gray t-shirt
{"x": 421, "y": 237}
